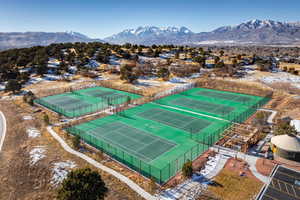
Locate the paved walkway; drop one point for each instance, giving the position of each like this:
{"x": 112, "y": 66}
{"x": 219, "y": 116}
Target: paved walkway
{"x": 2, "y": 129}
{"x": 251, "y": 160}
{"x": 271, "y": 117}
{"x": 220, "y": 165}
{"x": 121, "y": 177}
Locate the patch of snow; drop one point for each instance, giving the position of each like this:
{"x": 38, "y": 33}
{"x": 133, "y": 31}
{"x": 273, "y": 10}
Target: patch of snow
{"x": 177, "y": 80}
{"x": 216, "y": 42}
{"x": 189, "y": 190}
{"x": 51, "y": 77}
{"x": 61, "y": 170}
{"x": 53, "y": 61}
{"x": 296, "y": 124}
{"x": 2, "y": 87}
{"x": 27, "y": 117}
{"x": 148, "y": 83}
{"x": 37, "y": 154}
{"x": 282, "y": 77}
{"x": 33, "y": 132}
{"x": 210, "y": 165}
{"x": 34, "y": 80}
{"x": 101, "y": 78}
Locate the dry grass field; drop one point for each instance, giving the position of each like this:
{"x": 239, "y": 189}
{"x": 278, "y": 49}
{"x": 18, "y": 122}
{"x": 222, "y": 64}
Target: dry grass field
{"x": 230, "y": 185}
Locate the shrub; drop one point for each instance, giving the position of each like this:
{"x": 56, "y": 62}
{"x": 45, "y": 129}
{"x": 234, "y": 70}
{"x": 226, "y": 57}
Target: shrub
{"x": 82, "y": 184}
{"x": 187, "y": 169}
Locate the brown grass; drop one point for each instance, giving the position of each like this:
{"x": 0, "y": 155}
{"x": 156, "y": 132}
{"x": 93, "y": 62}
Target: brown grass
{"x": 231, "y": 186}
{"x": 19, "y": 180}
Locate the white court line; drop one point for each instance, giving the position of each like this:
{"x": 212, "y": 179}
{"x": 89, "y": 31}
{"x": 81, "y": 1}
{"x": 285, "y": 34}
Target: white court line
{"x": 192, "y": 112}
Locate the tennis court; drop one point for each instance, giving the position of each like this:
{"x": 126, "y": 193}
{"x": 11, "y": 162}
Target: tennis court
{"x": 157, "y": 138}
{"x": 230, "y": 106}
{"x": 82, "y": 102}
{"x": 151, "y": 139}
{"x": 203, "y": 106}
{"x": 232, "y": 97}
{"x": 143, "y": 145}
{"x": 177, "y": 120}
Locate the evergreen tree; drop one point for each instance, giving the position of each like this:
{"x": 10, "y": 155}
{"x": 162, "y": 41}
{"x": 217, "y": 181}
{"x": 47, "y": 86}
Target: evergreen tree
{"x": 285, "y": 128}
{"x": 13, "y": 86}
{"x": 82, "y": 184}
{"x": 187, "y": 169}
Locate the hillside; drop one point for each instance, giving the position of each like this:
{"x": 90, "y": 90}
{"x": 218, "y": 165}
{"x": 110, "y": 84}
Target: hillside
{"x": 28, "y": 39}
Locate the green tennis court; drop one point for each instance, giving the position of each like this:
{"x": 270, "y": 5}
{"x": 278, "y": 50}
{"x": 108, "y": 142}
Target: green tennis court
{"x": 203, "y": 106}
{"x": 177, "y": 120}
{"x": 85, "y": 101}
{"x": 157, "y": 138}
{"x": 230, "y": 106}
{"x": 151, "y": 139}
{"x": 232, "y": 97}
{"x": 143, "y": 145}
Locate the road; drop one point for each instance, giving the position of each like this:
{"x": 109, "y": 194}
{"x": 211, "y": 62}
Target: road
{"x": 2, "y": 129}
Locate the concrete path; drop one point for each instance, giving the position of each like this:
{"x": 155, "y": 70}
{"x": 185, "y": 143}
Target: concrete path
{"x": 271, "y": 117}
{"x": 2, "y": 129}
{"x": 121, "y": 177}
{"x": 251, "y": 160}
{"x": 220, "y": 165}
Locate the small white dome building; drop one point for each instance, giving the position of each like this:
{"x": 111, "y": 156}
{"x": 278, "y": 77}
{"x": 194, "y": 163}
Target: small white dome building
{"x": 286, "y": 146}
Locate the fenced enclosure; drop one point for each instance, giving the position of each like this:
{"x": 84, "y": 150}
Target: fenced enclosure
{"x": 234, "y": 107}
{"x": 153, "y": 140}
{"x": 157, "y": 138}
{"x": 85, "y": 101}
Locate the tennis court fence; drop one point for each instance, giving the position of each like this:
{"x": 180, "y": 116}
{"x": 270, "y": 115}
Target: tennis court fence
{"x": 242, "y": 116}
{"x": 161, "y": 175}
{"x": 83, "y": 109}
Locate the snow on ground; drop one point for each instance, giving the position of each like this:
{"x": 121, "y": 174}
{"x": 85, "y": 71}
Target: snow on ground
{"x": 210, "y": 166}
{"x": 2, "y": 87}
{"x": 192, "y": 188}
{"x": 27, "y": 117}
{"x": 216, "y": 42}
{"x": 189, "y": 190}
{"x": 61, "y": 170}
{"x": 33, "y": 132}
{"x": 148, "y": 83}
{"x": 37, "y": 154}
{"x": 101, "y": 78}
{"x": 282, "y": 77}
{"x": 114, "y": 60}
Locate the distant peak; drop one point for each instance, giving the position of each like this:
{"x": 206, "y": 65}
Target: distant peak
{"x": 141, "y": 30}
{"x": 77, "y": 34}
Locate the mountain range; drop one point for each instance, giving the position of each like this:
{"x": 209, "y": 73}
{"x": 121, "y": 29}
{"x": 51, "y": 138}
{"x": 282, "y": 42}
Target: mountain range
{"x": 27, "y": 39}
{"x": 258, "y": 32}
{"x": 251, "y": 32}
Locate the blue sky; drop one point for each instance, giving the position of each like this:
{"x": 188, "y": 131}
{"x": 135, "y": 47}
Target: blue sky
{"x": 98, "y": 19}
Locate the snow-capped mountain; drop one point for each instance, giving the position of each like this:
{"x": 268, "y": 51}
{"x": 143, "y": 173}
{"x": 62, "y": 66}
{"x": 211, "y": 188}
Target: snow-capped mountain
{"x": 250, "y": 32}
{"x": 253, "y": 25}
{"x": 257, "y": 32}
{"x": 28, "y": 39}
{"x": 152, "y": 35}
{"x": 78, "y": 35}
